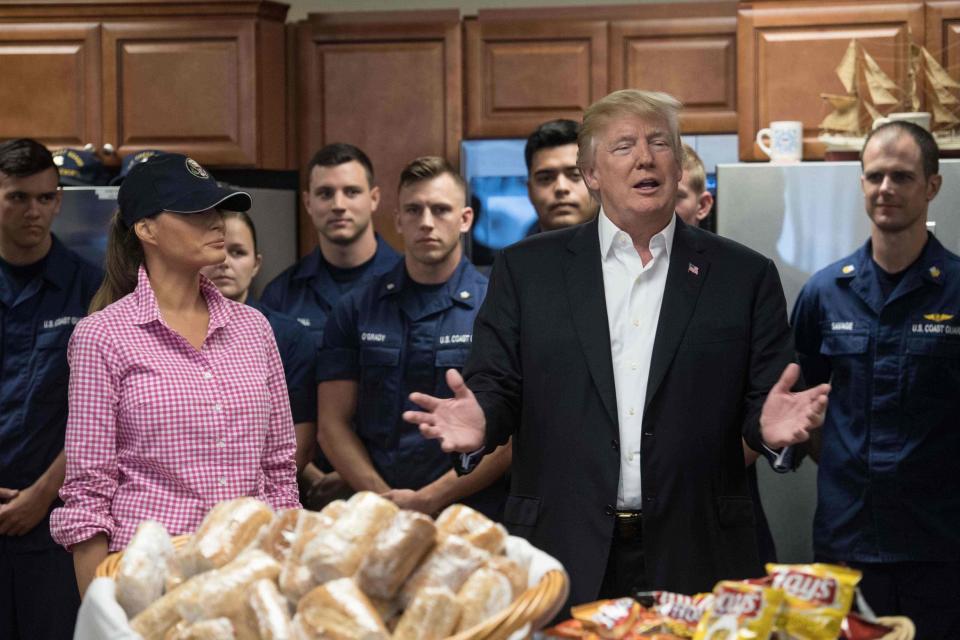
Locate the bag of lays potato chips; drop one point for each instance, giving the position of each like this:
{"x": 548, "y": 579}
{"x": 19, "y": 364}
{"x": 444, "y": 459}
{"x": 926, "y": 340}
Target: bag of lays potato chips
{"x": 608, "y": 618}
{"x": 740, "y": 611}
{"x": 818, "y": 597}
{"x": 681, "y": 613}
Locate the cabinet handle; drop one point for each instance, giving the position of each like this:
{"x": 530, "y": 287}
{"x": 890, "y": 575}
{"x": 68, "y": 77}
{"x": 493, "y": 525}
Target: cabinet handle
{"x": 108, "y": 149}
{"x": 89, "y": 147}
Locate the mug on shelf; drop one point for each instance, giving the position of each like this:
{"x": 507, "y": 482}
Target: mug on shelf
{"x": 786, "y": 141}
{"x": 919, "y": 118}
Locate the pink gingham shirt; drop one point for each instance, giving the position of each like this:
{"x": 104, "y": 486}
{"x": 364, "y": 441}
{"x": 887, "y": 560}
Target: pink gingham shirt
{"x": 157, "y": 429}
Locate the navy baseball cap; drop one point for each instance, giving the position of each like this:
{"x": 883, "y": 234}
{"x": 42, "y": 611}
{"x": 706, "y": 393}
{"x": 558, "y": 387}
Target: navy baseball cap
{"x": 130, "y": 160}
{"x": 175, "y": 183}
{"x": 78, "y": 168}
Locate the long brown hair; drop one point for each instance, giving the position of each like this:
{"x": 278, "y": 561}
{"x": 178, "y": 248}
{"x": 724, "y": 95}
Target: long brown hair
{"x": 124, "y": 256}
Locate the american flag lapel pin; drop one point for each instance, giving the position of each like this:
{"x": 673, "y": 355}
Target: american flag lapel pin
{"x": 694, "y": 269}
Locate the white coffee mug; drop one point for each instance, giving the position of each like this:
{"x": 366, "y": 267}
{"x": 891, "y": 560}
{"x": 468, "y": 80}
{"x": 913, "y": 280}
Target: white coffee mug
{"x": 786, "y": 141}
{"x": 919, "y": 118}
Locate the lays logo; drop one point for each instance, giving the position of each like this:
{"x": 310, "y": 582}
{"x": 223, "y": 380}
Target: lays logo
{"x": 807, "y": 587}
{"x": 938, "y": 317}
{"x": 738, "y": 603}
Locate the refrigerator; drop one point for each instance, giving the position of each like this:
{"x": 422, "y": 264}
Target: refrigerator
{"x": 85, "y": 215}
{"x": 805, "y": 216}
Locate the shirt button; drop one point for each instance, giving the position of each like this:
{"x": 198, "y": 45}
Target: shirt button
{"x": 221, "y": 443}
{"x": 633, "y": 366}
{"x": 222, "y": 481}
{"x": 207, "y": 375}
{"x": 636, "y": 323}
{"x": 630, "y": 412}
{"x": 217, "y": 407}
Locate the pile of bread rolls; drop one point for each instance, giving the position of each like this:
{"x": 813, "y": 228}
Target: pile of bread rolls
{"x": 360, "y": 569}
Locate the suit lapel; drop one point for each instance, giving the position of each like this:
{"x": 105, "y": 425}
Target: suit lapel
{"x": 583, "y": 274}
{"x": 686, "y": 274}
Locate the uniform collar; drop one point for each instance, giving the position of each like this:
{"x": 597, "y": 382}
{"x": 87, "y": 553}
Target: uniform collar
{"x": 313, "y": 264}
{"x": 60, "y": 267}
{"x": 609, "y": 232}
{"x": 460, "y": 287}
{"x": 860, "y": 271}
{"x": 147, "y": 309}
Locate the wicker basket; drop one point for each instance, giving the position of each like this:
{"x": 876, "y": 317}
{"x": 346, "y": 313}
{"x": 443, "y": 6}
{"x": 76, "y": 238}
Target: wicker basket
{"x": 535, "y": 607}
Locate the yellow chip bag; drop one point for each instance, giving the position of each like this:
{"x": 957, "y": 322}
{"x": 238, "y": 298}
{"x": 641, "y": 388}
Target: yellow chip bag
{"x": 740, "y": 611}
{"x": 818, "y": 598}
{"x": 608, "y": 618}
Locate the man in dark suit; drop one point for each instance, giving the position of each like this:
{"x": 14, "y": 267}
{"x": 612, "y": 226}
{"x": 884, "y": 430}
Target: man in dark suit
{"x": 591, "y": 350}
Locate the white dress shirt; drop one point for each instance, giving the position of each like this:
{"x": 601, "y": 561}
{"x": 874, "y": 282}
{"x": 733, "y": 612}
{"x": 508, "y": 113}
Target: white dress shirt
{"x": 634, "y": 293}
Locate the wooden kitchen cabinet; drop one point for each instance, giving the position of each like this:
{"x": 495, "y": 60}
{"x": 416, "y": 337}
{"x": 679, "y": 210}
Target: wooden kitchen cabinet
{"x": 788, "y": 52}
{"x": 387, "y": 82}
{"x": 943, "y": 34}
{"x": 202, "y": 78}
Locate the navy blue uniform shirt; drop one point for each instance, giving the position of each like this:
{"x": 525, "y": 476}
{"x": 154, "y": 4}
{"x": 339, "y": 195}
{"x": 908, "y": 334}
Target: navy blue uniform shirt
{"x": 887, "y": 484}
{"x": 307, "y": 291}
{"x": 35, "y": 326}
{"x": 394, "y": 337}
{"x": 299, "y": 359}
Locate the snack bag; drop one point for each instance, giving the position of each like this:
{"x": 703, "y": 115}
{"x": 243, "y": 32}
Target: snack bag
{"x": 608, "y": 618}
{"x": 818, "y": 597}
{"x": 740, "y": 611}
{"x": 681, "y": 613}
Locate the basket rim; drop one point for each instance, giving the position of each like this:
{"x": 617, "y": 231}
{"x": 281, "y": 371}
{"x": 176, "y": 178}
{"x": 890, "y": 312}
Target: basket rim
{"x": 535, "y": 606}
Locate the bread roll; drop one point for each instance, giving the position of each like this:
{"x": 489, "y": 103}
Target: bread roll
{"x": 472, "y": 526}
{"x": 449, "y": 565}
{"x": 224, "y": 533}
{"x": 215, "y": 629}
{"x": 517, "y": 575}
{"x": 338, "y": 610}
{"x": 334, "y": 509}
{"x": 337, "y": 552}
{"x": 277, "y": 538}
{"x": 295, "y": 577}
{"x": 155, "y": 621}
{"x": 268, "y": 612}
{"x": 432, "y": 615}
{"x": 220, "y": 593}
{"x": 396, "y": 551}
{"x": 144, "y": 567}
{"x": 484, "y": 594}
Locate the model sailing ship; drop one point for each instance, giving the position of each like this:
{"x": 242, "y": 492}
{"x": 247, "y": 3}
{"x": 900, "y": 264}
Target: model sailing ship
{"x": 870, "y": 90}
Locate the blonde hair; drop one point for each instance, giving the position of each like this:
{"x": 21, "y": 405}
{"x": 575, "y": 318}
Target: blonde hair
{"x": 693, "y": 170}
{"x": 646, "y": 104}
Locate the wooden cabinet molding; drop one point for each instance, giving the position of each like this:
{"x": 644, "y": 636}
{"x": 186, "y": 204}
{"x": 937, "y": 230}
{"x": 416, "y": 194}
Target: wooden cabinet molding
{"x": 687, "y": 50}
{"x": 522, "y": 73}
{"x": 788, "y": 51}
{"x": 387, "y": 82}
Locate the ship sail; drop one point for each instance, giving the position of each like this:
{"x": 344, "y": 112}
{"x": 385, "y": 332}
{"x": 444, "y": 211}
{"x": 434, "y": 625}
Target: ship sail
{"x": 878, "y": 83}
{"x": 847, "y": 69}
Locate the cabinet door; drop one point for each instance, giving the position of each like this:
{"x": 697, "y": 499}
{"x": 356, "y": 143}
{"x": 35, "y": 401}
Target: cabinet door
{"x": 50, "y": 83}
{"x": 788, "y": 53}
{"x": 183, "y": 86}
{"x": 522, "y": 71}
{"x": 387, "y": 83}
{"x": 687, "y": 50}
{"x": 943, "y": 34}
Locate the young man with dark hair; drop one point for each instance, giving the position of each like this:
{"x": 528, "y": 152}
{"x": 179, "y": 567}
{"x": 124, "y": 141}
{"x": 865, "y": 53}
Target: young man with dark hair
{"x": 401, "y": 332}
{"x": 883, "y": 325}
{"x": 340, "y": 199}
{"x": 554, "y": 183}
{"x": 44, "y": 290}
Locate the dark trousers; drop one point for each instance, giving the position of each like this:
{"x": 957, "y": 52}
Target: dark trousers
{"x": 626, "y": 569}
{"x": 38, "y": 588}
{"x": 926, "y": 592}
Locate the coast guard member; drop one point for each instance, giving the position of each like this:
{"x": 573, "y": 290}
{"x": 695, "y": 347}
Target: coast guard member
{"x": 44, "y": 290}
{"x": 398, "y": 333}
{"x": 340, "y": 198}
{"x": 883, "y": 325}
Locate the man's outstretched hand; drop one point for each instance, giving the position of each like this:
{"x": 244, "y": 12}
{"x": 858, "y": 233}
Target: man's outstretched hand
{"x": 787, "y": 418}
{"x": 458, "y": 422}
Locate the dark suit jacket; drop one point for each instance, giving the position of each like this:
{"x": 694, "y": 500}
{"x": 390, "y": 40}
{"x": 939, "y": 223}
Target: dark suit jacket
{"x": 542, "y": 371}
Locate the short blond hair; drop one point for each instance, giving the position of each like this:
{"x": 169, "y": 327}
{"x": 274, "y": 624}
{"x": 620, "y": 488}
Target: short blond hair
{"x": 693, "y": 170}
{"x": 645, "y": 104}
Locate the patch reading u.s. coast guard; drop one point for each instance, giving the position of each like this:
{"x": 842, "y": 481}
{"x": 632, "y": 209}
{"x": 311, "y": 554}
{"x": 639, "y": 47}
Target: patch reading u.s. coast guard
{"x": 936, "y": 324}
{"x": 194, "y": 168}
{"x": 458, "y": 338}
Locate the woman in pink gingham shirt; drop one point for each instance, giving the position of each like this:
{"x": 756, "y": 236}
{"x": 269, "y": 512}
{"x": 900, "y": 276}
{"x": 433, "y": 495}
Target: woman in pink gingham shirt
{"x": 177, "y": 396}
